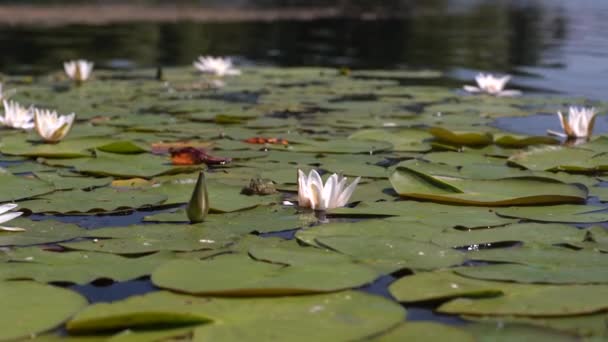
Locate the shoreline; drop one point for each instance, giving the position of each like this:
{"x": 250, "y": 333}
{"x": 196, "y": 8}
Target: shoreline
{"x": 102, "y": 14}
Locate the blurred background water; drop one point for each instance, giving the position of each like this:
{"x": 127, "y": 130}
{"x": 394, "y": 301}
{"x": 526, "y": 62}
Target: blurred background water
{"x": 553, "y": 45}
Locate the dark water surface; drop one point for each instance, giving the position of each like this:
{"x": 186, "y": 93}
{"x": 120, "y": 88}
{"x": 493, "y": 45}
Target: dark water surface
{"x": 553, "y": 45}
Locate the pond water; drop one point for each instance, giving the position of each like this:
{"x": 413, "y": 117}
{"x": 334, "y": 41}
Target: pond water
{"x": 551, "y": 45}
{"x": 469, "y": 222}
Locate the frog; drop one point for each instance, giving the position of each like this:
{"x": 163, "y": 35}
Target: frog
{"x": 260, "y": 186}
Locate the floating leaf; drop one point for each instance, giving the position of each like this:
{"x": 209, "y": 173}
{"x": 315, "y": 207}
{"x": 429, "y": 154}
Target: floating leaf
{"x": 340, "y": 316}
{"x": 461, "y": 138}
{"x": 95, "y": 201}
{"x": 425, "y": 331}
{"x": 253, "y": 278}
{"x": 13, "y": 188}
{"x": 505, "y": 192}
{"x": 30, "y": 308}
{"x": 558, "y": 213}
{"x": 76, "y": 267}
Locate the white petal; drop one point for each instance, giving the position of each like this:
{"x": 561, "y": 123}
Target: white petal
{"x": 9, "y": 216}
{"x": 509, "y": 92}
{"x": 471, "y": 89}
{"x": 557, "y": 134}
{"x": 8, "y": 206}
{"x": 331, "y": 186}
{"x": 348, "y": 192}
{"x": 12, "y": 229}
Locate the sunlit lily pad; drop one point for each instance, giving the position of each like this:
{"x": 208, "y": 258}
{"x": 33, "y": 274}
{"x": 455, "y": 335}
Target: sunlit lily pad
{"x": 13, "y": 188}
{"x": 153, "y": 238}
{"x": 558, "y": 213}
{"x": 121, "y": 165}
{"x": 523, "y": 232}
{"x": 30, "y": 308}
{"x": 427, "y": 331}
{"x": 95, "y": 201}
{"x": 505, "y": 192}
{"x": 40, "y": 232}
{"x": 337, "y": 317}
{"x": 76, "y": 267}
{"x": 429, "y": 213}
{"x": 461, "y": 138}
{"x": 254, "y": 278}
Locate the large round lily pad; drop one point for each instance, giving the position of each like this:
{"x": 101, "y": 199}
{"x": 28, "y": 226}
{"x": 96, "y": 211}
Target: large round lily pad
{"x": 30, "y": 308}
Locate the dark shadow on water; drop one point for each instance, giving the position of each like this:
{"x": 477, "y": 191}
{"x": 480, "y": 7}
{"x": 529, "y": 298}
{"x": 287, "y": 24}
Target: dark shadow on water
{"x": 115, "y": 290}
{"x": 101, "y": 221}
{"x": 421, "y": 313}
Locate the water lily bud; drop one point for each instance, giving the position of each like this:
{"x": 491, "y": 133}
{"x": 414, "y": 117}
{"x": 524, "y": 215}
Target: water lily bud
{"x": 198, "y": 207}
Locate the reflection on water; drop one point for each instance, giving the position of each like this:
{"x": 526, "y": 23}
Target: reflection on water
{"x": 529, "y": 38}
{"x": 539, "y": 124}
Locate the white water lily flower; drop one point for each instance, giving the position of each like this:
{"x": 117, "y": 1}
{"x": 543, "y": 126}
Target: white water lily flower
{"x": 313, "y": 194}
{"x": 491, "y": 85}
{"x": 78, "y": 70}
{"x": 9, "y": 216}
{"x": 50, "y": 126}
{"x": 579, "y": 123}
{"x": 17, "y": 116}
{"x": 216, "y": 65}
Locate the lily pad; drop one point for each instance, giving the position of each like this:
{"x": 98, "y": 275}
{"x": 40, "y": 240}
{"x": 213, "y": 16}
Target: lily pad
{"x": 504, "y": 192}
{"x": 558, "y": 213}
{"x": 30, "y": 308}
{"x": 254, "y": 278}
{"x": 153, "y": 238}
{"x": 14, "y": 188}
{"x": 40, "y": 232}
{"x": 461, "y": 138}
{"x": 76, "y": 267}
{"x": 88, "y": 202}
{"x": 341, "y": 316}
{"x": 425, "y": 331}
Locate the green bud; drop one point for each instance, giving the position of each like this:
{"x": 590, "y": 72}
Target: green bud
{"x": 198, "y": 207}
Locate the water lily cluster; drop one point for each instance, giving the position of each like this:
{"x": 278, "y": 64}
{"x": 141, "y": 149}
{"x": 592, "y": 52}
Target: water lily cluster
{"x": 50, "y": 126}
{"x": 78, "y": 70}
{"x": 577, "y": 125}
{"x": 217, "y": 66}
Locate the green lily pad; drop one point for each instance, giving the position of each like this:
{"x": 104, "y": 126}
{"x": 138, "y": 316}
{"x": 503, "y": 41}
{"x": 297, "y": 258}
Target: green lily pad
{"x": 153, "y": 238}
{"x": 403, "y": 140}
{"x": 337, "y": 146}
{"x": 524, "y": 232}
{"x": 14, "y": 188}
{"x": 557, "y": 274}
{"x": 30, "y": 308}
{"x": 428, "y": 213}
{"x": 536, "y": 300}
{"x": 141, "y": 165}
{"x": 76, "y": 267}
{"x": 68, "y": 182}
{"x": 40, "y": 232}
{"x": 516, "y": 333}
{"x": 558, "y": 213}
{"x": 593, "y": 325}
{"x": 341, "y": 316}
{"x": 392, "y": 252}
{"x": 253, "y": 278}
{"x": 561, "y": 159}
{"x": 461, "y": 138}
{"x": 425, "y": 331}
{"x": 518, "y": 141}
{"x": 411, "y": 183}
{"x": 89, "y": 202}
